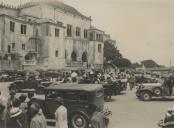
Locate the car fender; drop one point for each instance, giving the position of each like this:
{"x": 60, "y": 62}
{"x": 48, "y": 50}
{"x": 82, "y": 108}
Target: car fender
{"x": 80, "y": 112}
{"x": 146, "y": 90}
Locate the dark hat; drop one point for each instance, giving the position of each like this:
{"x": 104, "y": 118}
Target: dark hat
{"x": 60, "y": 100}
{"x": 12, "y": 92}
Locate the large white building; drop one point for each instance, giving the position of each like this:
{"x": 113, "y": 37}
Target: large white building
{"x": 48, "y": 35}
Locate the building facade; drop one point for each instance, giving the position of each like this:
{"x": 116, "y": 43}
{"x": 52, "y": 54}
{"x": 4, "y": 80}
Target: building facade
{"x": 48, "y": 35}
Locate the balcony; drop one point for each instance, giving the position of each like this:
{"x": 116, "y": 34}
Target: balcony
{"x": 29, "y": 62}
{"x": 74, "y": 64}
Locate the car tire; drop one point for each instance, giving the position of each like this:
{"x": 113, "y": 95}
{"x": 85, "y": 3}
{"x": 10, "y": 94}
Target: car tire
{"x": 79, "y": 120}
{"x": 107, "y": 98}
{"x": 146, "y": 96}
{"x": 157, "y": 91}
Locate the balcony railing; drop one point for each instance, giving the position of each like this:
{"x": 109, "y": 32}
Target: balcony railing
{"x": 74, "y": 64}
{"x": 29, "y": 62}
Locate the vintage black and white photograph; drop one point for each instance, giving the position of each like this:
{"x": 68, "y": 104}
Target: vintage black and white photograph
{"x": 86, "y": 64}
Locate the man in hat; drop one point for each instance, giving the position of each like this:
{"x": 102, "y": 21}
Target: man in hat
{"x": 170, "y": 83}
{"x": 61, "y": 114}
{"x": 18, "y": 118}
{"x": 38, "y": 119}
{"x": 98, "y": 119}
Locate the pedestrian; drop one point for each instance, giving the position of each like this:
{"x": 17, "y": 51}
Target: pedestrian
{"x": 18, "y": 118}
{"x": 98, "y": 119}
{"x": 3, "y": 108}
{"x": 38, "y": 119}
{"x": 24, "y": 105}
{"x": 170, "y": 83}
{"x": 74, "y": 76}
{"x": 11, "y": 99}
{"x": 132, "y": 82}
{"x": 31, "y": 99}
{"x": 61, "y": 114}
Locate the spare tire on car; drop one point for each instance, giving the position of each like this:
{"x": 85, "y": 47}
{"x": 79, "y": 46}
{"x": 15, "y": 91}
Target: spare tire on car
{"x": 146, "y": 96}
{"x": 79, "y": 120}
{"x": 157, "y": 91}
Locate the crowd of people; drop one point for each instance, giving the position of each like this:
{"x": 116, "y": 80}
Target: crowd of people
{"x": 25, "y": 112}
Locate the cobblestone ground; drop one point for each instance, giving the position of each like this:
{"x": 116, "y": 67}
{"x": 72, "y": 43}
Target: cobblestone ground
{"x": 128, "y": 111}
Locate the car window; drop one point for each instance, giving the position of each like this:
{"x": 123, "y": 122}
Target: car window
{"x": 75, "y": 96}
{"x": 53, "y": 94}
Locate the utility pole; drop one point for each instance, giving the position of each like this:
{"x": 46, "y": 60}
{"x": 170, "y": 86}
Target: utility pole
{"x": 170, "y": 64}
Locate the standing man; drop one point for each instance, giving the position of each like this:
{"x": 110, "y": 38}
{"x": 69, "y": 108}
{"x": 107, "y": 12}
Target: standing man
{"x": 3, "y": 105}
{"x": 170, "y": 83}
{"x": 38, "y": 119}
{"x": 61, "y": 114}
{"x": 98, "y": 119}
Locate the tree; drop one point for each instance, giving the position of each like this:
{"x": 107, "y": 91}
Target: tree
{"x": 111, "y": 52}
{"x": 149, "y": 63}
{"x": 113, "y": 55}
{"x": 122, "y": 62}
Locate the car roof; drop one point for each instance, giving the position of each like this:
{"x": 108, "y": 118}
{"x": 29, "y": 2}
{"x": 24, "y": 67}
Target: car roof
{"x": 75, "y": 87}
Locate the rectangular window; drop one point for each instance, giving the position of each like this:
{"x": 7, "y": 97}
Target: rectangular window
{"x": 12, "y": 26}
{"x": 57, "y": 32}
{"x": 23, "y": 46}
{"x": 77, "y": 31}
{"x": 47, "y": 30}
{"x": 97, "y": 37}
{"x": 9, "y": 49}
{"x": 91, "y": 36}
{"x": 23, "y": 29}
{"x": 13, "y": 46}
{"x": 85, "y": 33}
{"x": 99, "y": 48}
{"x": 69, "y": 30}
{"x": 57, "y": 53}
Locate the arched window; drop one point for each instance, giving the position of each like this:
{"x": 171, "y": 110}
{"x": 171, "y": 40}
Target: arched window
{"x": 27, "y": 57}
{"x": 84, "y": 57}
{"x": 74, "y": 56}
{"x": 66, "y": 54}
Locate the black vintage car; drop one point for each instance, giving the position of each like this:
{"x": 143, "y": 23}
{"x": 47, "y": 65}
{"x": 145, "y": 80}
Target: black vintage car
{"x": 113, "y": 89}
{"x": 79, "y": 100}
{"x": 37, "y": 84}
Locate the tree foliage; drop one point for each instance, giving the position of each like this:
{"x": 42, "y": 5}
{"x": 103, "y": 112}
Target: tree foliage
{"x": 149, "y": 63}
{"x": 113, "y": 55}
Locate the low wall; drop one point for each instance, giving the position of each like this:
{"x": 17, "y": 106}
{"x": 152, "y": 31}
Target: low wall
{"x": 10, "y": 65}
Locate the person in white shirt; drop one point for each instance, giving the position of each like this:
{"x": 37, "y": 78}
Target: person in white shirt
{"x": 61, "y": 114}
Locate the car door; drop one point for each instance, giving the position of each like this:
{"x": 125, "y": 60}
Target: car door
{"x": 51, "y": 104}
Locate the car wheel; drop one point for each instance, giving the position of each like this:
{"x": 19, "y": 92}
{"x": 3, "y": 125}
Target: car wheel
{"x": 146, "y": 96}
{"x": 157, "y": 91}
{"x": 79, "y": 120}
{"x": 107, "y": 98}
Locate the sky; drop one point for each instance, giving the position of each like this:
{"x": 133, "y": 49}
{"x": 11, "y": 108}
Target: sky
{"x": 143, "y": 29}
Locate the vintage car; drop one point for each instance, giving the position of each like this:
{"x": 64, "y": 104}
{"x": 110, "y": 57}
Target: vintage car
{"x": 79, "y": 99}
{"x": 112, "y": 89}
{"x": 147, "y": 91}
{"x": 23, "y": 85}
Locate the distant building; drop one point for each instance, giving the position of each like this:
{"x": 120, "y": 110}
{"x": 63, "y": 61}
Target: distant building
{"x": 48, "y": 35}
